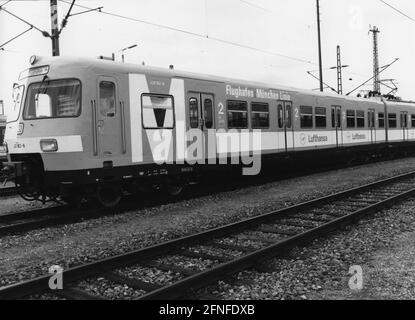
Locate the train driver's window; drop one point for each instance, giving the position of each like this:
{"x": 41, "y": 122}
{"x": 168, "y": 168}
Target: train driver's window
{"x": 107, "y": 98}
{"x": 381, "y": 119}
{"x": 193, "y": 113}
{"x": 413, "y": 120}
{"x": 208, "y": 106}
{"x": 43, "y": 106}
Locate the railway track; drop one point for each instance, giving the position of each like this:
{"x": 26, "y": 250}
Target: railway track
{"x": 47, "y": 217}
{"x": 37, "y": 218}
{"x": 225, "y": 250}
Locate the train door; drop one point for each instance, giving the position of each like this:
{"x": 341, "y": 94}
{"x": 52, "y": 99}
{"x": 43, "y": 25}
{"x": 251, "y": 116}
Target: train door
{"x": 371, "y": 124}
{"x": 336, "y": 121}
{"x": 404, "y": 125}
{"x": 201, "y": 117}
{"x": 285, "y": 122}
{"x": 108, "y": 118}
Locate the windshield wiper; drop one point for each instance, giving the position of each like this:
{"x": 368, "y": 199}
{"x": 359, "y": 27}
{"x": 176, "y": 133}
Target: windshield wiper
{"x": 40, "y": 87}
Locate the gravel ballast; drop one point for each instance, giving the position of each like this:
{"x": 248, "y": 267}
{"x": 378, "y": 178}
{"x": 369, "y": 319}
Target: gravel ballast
{"x": 382, "y": 245}
{"x": 27, "y": 255}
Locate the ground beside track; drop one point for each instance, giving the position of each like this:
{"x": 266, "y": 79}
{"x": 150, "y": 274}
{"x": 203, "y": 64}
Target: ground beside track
{"x": 15, "y": 203}
{"x": 31, "y": 254}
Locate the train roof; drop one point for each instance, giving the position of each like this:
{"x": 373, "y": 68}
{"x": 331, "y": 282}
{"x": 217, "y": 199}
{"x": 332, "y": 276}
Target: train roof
{"x": 120, "y": 67}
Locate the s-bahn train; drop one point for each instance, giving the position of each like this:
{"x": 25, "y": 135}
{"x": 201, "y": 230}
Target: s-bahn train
{"x": 91, "y": 128}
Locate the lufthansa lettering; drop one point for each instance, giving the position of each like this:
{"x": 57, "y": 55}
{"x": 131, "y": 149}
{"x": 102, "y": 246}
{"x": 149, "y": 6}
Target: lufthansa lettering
{"x": 316, "y": 138}
{"x": 358, "y": 136}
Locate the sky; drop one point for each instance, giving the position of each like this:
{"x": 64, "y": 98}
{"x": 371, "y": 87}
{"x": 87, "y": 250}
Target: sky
{"x": 272, "y": 41}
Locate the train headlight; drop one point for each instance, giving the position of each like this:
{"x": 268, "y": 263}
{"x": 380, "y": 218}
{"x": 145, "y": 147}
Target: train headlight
{"x": 49, "y": 145}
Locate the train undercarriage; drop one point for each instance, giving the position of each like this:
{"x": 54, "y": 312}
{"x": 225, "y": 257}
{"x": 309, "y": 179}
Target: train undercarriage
{"x": 106, "y": 187}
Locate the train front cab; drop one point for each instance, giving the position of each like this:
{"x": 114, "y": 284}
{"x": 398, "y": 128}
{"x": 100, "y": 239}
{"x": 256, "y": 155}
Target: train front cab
{"x": 46, "y": 130}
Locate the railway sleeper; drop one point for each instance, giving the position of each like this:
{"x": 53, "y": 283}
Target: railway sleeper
{"x": 204, "y": 256}
{"x": 170, "y": 267}
{"x": 233, "y": 247}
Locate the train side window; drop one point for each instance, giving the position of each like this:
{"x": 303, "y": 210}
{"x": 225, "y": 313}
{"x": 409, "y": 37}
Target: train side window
{"x": 351, "y": 118}
{"x": 237, "y": 114}
{"x": 289, "y": 115}
{"x": 306, "y": 115}
{"x": 193, "y": 113}
{"x": 360, "y": 115}
{"x": 157, "y": 111}
{"x": 208, "y": 106}
{"x": 333, "y": 117}
{"x": 413, "y": 120}
{"x": 320, "y": 117}
{"x": 107, "y": 99}
{"x": 371, "y": 118}
{"x": 280, "y": 116}
{"x": 404, "y": 120}
{"x": 260, "y": 115}
{"x": 381, "y": 119}
{"x": 392, "y": 120}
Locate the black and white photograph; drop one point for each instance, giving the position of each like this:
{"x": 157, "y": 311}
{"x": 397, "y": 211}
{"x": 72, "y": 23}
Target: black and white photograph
{"x": 207, "y": 155}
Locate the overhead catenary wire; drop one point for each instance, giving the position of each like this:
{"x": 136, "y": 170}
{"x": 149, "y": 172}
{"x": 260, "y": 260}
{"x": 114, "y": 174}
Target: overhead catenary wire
{"x": 195, "y": 34}
{"x": 44, "y": 33}
{"x": 397, "y": 10}
{"x": 19, "y": 35}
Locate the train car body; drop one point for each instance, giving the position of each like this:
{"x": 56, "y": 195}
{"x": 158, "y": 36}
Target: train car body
{"x": 95, "y": 127}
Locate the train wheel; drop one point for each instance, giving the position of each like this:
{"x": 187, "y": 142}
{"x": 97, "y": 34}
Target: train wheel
{"x": 108, "y": 196}
{"x": 174, "y": 187}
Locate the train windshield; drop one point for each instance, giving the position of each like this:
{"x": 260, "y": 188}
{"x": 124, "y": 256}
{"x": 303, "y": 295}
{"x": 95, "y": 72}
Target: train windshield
{"x": 17, "y": 101}
{"x": 53, "y": 99}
